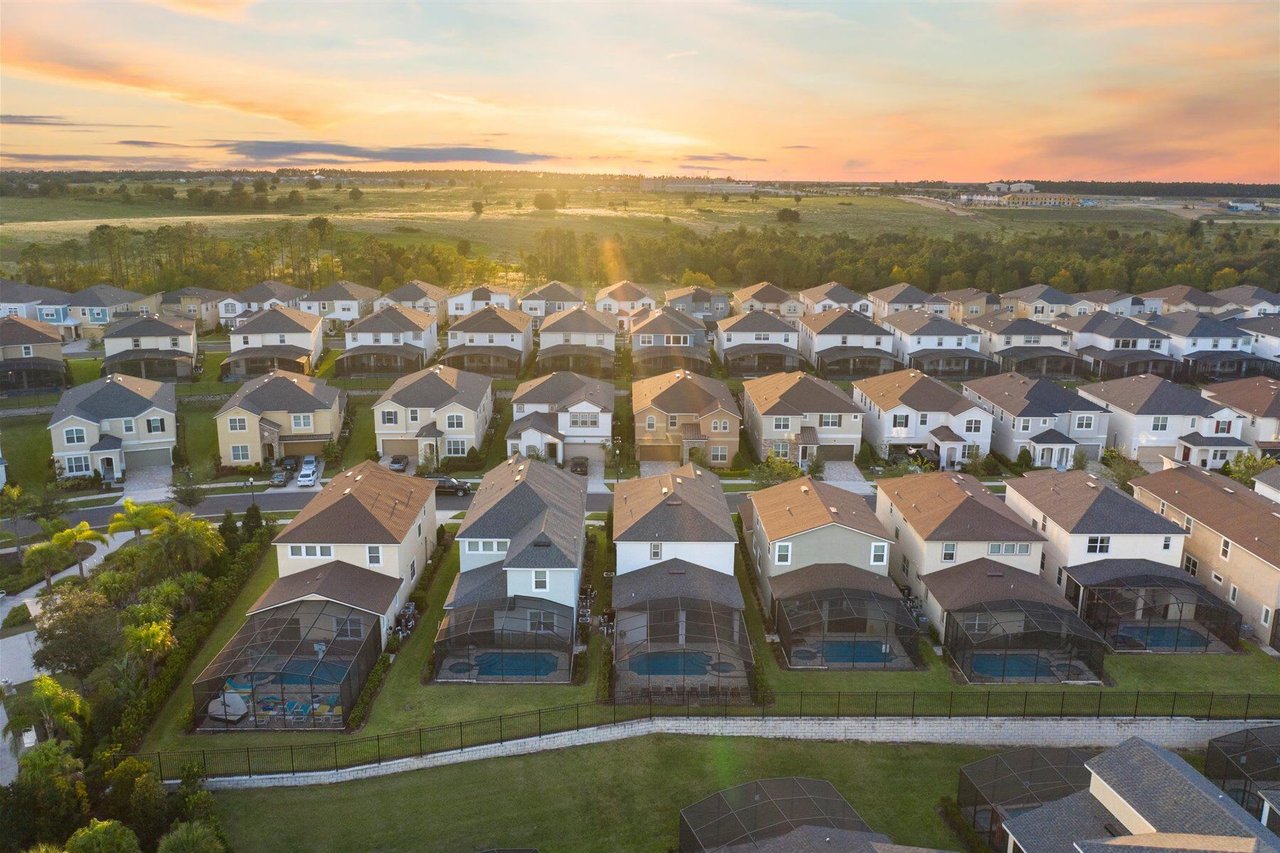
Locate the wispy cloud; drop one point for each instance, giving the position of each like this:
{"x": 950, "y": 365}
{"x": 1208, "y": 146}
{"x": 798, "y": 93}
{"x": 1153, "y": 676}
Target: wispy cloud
{"x": 798, "y": 148}
{"x": 689, "y": 168}
{"x": 267, "y": 151}
{"x": 721, "y": 157}
{"x": 63, "y": 121}
{"x": 680, "y": 54}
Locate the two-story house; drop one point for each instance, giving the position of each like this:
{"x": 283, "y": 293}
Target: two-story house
{"x": 98, "y": 306}
{"x": 1258, "y": 399}
{"x": 834, "y": 296}
{"x": 1152, "y": 417}
{"x": 907, "y": 412}
{"x": 934, "y": 344}
{"x": 766, "y": 296}
{"x": 965, "y": 303}
{"x": 757, "y": 342}
{"x": 581, "y": 339}
{"x": 799, "y": 417}
{"x": 700, "y": 303}
{"x": 1026, "y": 346}
{"x": 1265, "y": 332}
{"x": 418, "y": 295}
{"x": 679, "y": 628}
{"x": 895, "y": 298}
{"x": 1183, "y": 297}
{"x": 30, "y": 356}
{"x": 340, "y": 304}
{"x": 238, "y": 307}
{"x": 844, "y": 344}
{"x": 276, "y": 338}
{"x": 1210, "y": 348}
{"x": 551, "y": 298}
{"x": 1042, "y": 302}
{"x": 626, "y": 300}
{"x": 1051, "y": 422}
{"x": 151, "y": 347}
{"x": 561, "y": 415}
{"x": 822, "y": 561}
{"x": 45, "y": 304}
{"x": 477, "y": 299}
{"x": 495, "y": 341}
{"x": 198, "y": 304}
{"x": 1250, "y": 300}
{"x": 1114, "y": 346}
{"x": 277, "y": 415}
{"x": 680, "y": 411}
{"x": 1120, "y": 303}
{"x": 669, "y": 339}
{"x": 1233, "y": 540}
{"x": 432, "y": 414}
{"x": 113, "y": 425}
{"x": 511, "y": 614}
{"x": 392, "y": 341}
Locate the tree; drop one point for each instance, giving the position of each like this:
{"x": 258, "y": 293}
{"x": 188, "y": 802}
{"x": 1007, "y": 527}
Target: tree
{"x": 13, "y": 504}
{"x": 148, "y": 810}
{"x": 47, "y": 506}
{"x": 48, "y": 800}
{"x": 71, "y": 539}
{"x": 1079, "y": 460}
{"x": 77, "y": 632}
{"x": 60, "y": 711}
{"x": 689, "y": 278}
{"x": 103, "y": 836}
{"x": 194, "y": 836}
{"x": 149, "y": 641}
{"x": 229, "y": 530}
{"x": 185, "y": 489}
{"x": 193, "y": 586}
{"x": 477, "y": 207}
{"x": 544, "y": 201}
{"x": 817, "y": 467}
{"x": 1245, "y": 467}
{"x": 356, "y": 194}
{"x": 49, "y": 558}
{"x": 774, "y": 470}
{"x": 187, "y": 543}
{"x": 787, "y": 214}
{"x": 252, "y": 522}
{"x": 1025, "y": 461}
{"x": 137, "y": 517}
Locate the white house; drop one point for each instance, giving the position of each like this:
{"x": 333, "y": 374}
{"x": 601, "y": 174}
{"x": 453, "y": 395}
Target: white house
{"x": 844, "y": 344}
{"x": 679, "y": 515}
{"x": 276, "y": 338}
{"x": 238, "y": 307}
{"x": 550, "y": 298}
{"x": 114, "y": 425}
{"x": 477, "y": 299}
{"x": 493, "y": 340}
{"x": 935, "y": 344}
{"x": 1266, "y": 336}
{"x": 1183, "y": 297}
{"x": 434, "y": 413}
{"x": 1053, "y": 423}
{"x": 418, "y": 295}
{"x": 151, "y": 347}
{"x": 1026, "y": 345}
{"x": 1118, "y": 346}
{"x": 909, "y": 412}
{"x": 1250, "y": 299}
{"x": 394, "y": 340}
{"x": 799, "y": 417}
{"x": 767, "y": 296}
{"x": 1043, "y": 301}
{"x": 757, "y": 342}
{"x": 561, "y": 415}
{"x": 1208, "y": 347}
{"x": 340, "y": 304}
{"x": 1257, "y": 398}
{"x": 1120, "y": 303}
{"x": 625, "y": 300}
{"x": 579, "y": 338}
{"x": 895, "y": 298}
{"x": 833, "y": 296}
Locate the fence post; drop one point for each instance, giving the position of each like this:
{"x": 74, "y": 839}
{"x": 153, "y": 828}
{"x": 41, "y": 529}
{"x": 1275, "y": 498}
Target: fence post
{"x": 1062, "y": 704}
{"x": 951, "y": 698}
{"x": 500, "y": 740}
{"x": 293, "y": 768}
{"x": 460, "y": 741}
{"x": 1136, "y": 695}
{"x": 1173, "y": 706}
{"x": 1026, "y": 694}
{"x": 419, "y": 740}
{"x": 248, "y": 762}
{"x": 875, "y": 708}
{"x": 651, "y": 706}
{"x": 802, "y": 703}
{"x": 204, "y": 762}
{"x": 539, "y": 722}
{"x": 335, "y": 756}
{"x": 378, "y": 741}
{"x": 1248, "y": 698}
{"x": 1210, "y": 714}
{"x": 1099, "y": 715}
{"x": 839, "y": 696}
{"x": 913, "y": 704}
{"x": 987, "y": 714}
{"x": 577, "y": 716}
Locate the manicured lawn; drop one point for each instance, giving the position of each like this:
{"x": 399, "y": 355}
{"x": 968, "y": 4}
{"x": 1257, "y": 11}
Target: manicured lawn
{"x": 615, "y": 797}
{"x": 325, "y": 368}
{"x": 199, "y": 435}
{"x": 26, "y": 444}
{"x": 362, "y": 441}
{"x": 84, "y": 369}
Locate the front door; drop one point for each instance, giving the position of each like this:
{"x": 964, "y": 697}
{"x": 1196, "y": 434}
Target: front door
{"x": 108, "y": 469}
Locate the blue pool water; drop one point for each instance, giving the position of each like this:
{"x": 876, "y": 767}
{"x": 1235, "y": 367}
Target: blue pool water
{"x": 855, "y": 651}
{"x": 1014, "y": 665}
{"x": 1165, "y": 636}
{"x": 517, "y": 664}
{"x": 670, "y": 663}
{"x": 305, "y": 671}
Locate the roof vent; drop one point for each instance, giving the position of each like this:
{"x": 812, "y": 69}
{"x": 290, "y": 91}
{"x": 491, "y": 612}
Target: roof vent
{"x": 995, "y": 573}
{"x": 346, "y": 491}
{"x": 665, "y": 490}
{"x": 834, "y": 511}
{"x": 679, "y": 480}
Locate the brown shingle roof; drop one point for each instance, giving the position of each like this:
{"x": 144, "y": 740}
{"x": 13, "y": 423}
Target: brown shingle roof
{"x": 1257, "y": 395}
{"x": 917, "y": 322}
{"x": 796, "y": 393}
{"x": 365, "y": 504}
{"x": 765, "y": 292}
{"x": 941, "y": 506}
{"x": 805, "y": 504}
{"x": 821, "y": 576}
{"x": 912, "y": 388}
{"x": 1220, "y": 503}
{"x": 563, "y": 389}
{"x": 983, "y": 581}
{"x": 16, "y": 330}
{"x": 1080, "y": 502}
{"x": 902, "y": 293}
{"x": 337, "y": 581}
{"x": 493, "y": 319}
{"x": 683, "y": 392}
{"x": 1148, "y": 394}
{"x": 278, "y": 318}
{"x": 623, "y": 291}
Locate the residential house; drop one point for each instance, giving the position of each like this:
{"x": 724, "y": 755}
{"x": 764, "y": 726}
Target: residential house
{"x": 895, "y": 298}
{"x": 98, "y": 306}
{"x": 561, "y": 415}
{"x": 1258, "y": 399}
{"x": 477, "y": 299}
{"x": 580, "y": 338}
{"x": 238, "y": 307}
{"x": 936, "y": 345}
{"x": 907, "y": 412}
{"x": 114, "y": 425}
{"x": 679, "y": 411}
{"x": 700, "y": 303}
{"x": 1250, "y": 299}
{"x": 39, "y": 303}
{"x": 433, "y": 414}
{"x": 1267, "y": 484}
{"x": 277, "y": 415}
{"x": 30, "y": 356}
{"x": 1233, "y": 541}
{"x": 1153, "y": 417}
{"x": 1114, "y": 346}
{"x": 679, "y": 629}
{"x": 495, "y": 341}
{"x": 965, "y": 303}
{"x": 844, "y": 344}
{"x": 276, "y": 338}
{"x": 834, "y": 296}
{"x": 1026, "y": 346}
{"x": 392, "y": 341}
{"x": 1266, "y": 335}
{"x": 198, "y": 304}
{"x": 1182, "y": 297}
{"x": 757, "y": 342}
{"x": 625, "y": 300}
{"x": 1043, "y": 301}
{"x": 1052, "y": 423}
{"x": 767, "y": 296}
{"x": 799, "y": 417}
{"x": 551, "y": 298}
{"x": 418, "y": 295}
{"x": 1209, "y": 348}
{"x": 340, "y": 304}
{"x": 151, "y": 347}
{"x": 1120, "y": 303}
{"x": 669, "y": 339}
{"x": 511, "y": 614}
{"x": 821, "y": 559}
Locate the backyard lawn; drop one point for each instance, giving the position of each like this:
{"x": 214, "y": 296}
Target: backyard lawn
{"x": 84, "y": 369}
{"x": 362, "y": 441}
{"x": 199, "y": 434}
{"x": 616, "y": 797}
{"x": 25, "y": 443}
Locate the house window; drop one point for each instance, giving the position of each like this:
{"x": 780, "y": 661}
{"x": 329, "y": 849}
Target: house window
{"x": 1167, "y": 545}
{"x": 1060, "y": 573}
{"x": 302, "y": 421}
{"x": 173, "y": 343}
{"x": 1266, "y": 616}
{"x": 155, "y": 425}
{"x": 1024, "y": 425}
{"x": 413, "y": 416}
{"x": 453, "y": 422}
{"x": 948, "y": 552}
{"x": 924, "y": 419}
{"x": 584, "y": 420}
{"x": 782, "y": 424}
{"x": 720, "y": 426}
{"x": 782, "y": 553}
{"x": 782, "y": 450}
{"x": 74, "y": 435}
{"x": 1163, "y": 506}
{"x": 994, "y": 549}
{"x": 650, "y": 423}
{"x": 655, "y": 550}
{"x": 541, "y": 580}
{"x": 375, "y": 555}
{"x": 719, "y": 453}
{"x": 1217, "y": 578}
{"x": 390, "y": 417}
{"x": 673, "y": 421}
{"x": 1234, "y": 594}
{"x": 27, "y": 351}
{"x": 280, "y": 339}
{"x": 348, "y": 628}
{"x": 76, "y": 465}
{"x": 973, "y": 425}
{"x": 1160, "y": 423}
{"x": 237, "y": 425}
{"x": 1084, "y": 423}
{"x": 899, "y": 421}
{"x": 1222, "y": 427}
{"x": 646, "y": 340}
{"x": 879, "y": 553}
{"x": 761, "y": 336}
{"x": 127, "y": 426}
{"x": 455, "y": 447}
{"x": 1226, "y": 548}
{"x": 1191, "y": 565}
{"x": 1099, "y": 545}
{"x": 829, "y": 421}
{"x": 970, "y": 451}
{"x": 239, "y": 453}
{"x": 310, "y": 550}
{"x": 244, "y": 340}
{"x": 1187, "y": 523}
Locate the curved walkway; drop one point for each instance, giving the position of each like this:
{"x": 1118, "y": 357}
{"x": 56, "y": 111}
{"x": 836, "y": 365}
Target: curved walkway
{"x": 114, "y": 541}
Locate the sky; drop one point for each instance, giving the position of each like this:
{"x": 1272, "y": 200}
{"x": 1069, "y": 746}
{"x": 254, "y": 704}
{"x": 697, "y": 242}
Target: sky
{"x": 855, "y": 91}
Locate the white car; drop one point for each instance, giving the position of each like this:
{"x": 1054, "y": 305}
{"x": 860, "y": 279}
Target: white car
{"x": 307, "y": 477}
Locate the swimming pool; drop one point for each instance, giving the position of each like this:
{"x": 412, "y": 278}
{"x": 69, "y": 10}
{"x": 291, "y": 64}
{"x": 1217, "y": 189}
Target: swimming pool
{"x": 1012, "y": 665}
{"x": 307, "y": 671}
{"x": 516, "y": 664}
{"x": 1164, "y": 637}
{"x": 855, "y": 651}
{"x": 670, "y": 663}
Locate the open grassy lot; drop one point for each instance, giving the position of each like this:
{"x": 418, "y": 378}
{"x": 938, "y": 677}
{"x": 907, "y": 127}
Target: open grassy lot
{"x": 362, "y": 441}
{"x": 617, "y": 797}
{"x": 199, "y": 434}
{"x": 27, "y": 447}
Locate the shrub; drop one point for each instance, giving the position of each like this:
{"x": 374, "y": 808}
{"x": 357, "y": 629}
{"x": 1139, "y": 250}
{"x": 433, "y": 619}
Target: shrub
{"x": 1079, "y": 460}
{"x": 393, "y": 644}
{"x": 103, "y": 836}
{"x": 19, "y": 615}
{"x": 370, "y": 691}
{"x": 817, "y": 467}
{"x": 544, "y": 201}
{"x": 788, "y": 214}
{"x": 1024, "y": 462}
{"x": 954, "y": 818}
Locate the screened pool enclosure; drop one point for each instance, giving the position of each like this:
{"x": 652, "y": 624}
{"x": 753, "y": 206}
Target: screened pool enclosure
{"x": 1010, "y": 783}
{"x": 515, "y": 639}
{"x": 680, "y": 649}
{"x": 1023, "y": 641}
{"x": 1244, "y": 764}
{"x": 773, "y": 814}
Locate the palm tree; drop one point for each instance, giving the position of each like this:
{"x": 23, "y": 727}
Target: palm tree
{"x": 191, "y": 837}
{"x": 73, "y": 536}
{"x": 137, "y": 517}
{"x": 149, "y": 641}
{"x": 187, "y": 542}
{"x": 14, "y": 503}
{"x": 61, "y": 711}
{"x": 49, "y": 558}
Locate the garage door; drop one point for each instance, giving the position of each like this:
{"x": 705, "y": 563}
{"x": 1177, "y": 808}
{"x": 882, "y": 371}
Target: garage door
{"x": 590, "y": 449}
{"x": 658, "y": 453}
{"x": 400, "y": 447}
{"x": 147, "y": 458}
{"x": 303, "y": 448}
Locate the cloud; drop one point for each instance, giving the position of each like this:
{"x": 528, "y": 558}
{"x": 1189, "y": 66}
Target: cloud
{"x": 225, "y": 9}
{"x": 151, "y": 143}
{"x": 722, "y": 157}
{"x": 856, "y": 164}
{"x": 798, "y": 148}
{"x": 266, "y": 151}
{"x": 63, "y": 121}
{"x": 680, "y": 54}
{"x": 703, "y": 169}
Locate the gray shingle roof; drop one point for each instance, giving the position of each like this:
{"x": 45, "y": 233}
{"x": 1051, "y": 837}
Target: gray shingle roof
{"x": 1055, "y": 827}
{"x": 833, "y": 290}
{"x": 438, "y": 386}
{"x": 483, "y": 583}
{"x": 754, "y": 321}
{"x": 393, "y": 318}
{"x": 1032, "y": 398}
{"x": 563, "y": 389}
{"x": 1192, "y": 324}
{"x": 283, "y": 391}
{"x": 1003, "y": 323}
{"x": 103, "y": 296}
{"x": 667, "y": 320}
{"x": 204, "y": 294}
{"x": 765, "y": 292}
{"x": 278, "y": 319}
{"x": 542, "y": 422}
{"x": 343, "y": 290}
{"x": 415, "y": 290}
{"x": 671, "y": 578}
{"x": 1080, "y": 502}
{"x": 267, "y": 290}
{"x": 132, "y": 327}
{"x": 923, "y": 323}
{"x": 900, "y": 294}
{"x": 1148, "y": 394}
{"x": 554, "y": 291}
{"x": 579, "y": 318}
{"x": 1042, "y": 293}
{"x": 17, "y": 291}
{"x": 1179, "y": 293}
{"x": 336, "y": 581}
{"x": 115, "y": 396}
{"x": 985, "y": 581}
{"x": 1108, "y": 571}
{"x": 684, "y": 505}
{"x": 1108, "y": 325}
{"x": 15, "y": 330}
{"x": 493, "y": 318}
{"x": 537, "y": 506}
{"x": 623, "y": 291}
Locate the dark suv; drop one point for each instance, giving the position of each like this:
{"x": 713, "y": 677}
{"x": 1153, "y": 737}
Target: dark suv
{"x": 578, "y": 465}
{"x": 445, "y": 483}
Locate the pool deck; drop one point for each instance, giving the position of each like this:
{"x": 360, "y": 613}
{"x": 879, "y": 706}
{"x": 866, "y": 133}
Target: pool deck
{"x": 465, "y": 660}
{"x": 710, "y": 686}
{"x": 1055, "y": 661}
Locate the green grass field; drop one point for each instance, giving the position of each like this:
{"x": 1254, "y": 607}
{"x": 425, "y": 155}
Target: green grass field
{"x": 622, "y": 796}
{"x": 27, "y": 446}
{"x": 199, "y": 435}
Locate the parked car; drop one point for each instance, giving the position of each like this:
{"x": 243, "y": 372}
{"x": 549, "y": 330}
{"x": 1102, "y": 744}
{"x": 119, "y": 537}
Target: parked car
{"x": 308, "y": 477}
{"x": 281, "y": 477}
{"x": 399, "y": 463}
{"x": 445, "y": 483}
{"x": 310, "y": 463}
{"x": 289, "y": 463}
{"x": 578, "y": 465}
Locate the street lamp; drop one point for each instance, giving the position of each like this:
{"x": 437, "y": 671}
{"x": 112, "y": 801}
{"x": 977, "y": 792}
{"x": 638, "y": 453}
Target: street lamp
{"x": 253, "y": 496}
{"x": 616, "y": 452}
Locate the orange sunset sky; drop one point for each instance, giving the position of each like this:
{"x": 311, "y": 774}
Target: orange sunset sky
{"x": 827, "y": 91}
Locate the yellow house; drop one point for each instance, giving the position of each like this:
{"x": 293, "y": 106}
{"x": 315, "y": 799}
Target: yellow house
{"x": 279, "y": 414}
{"x": 679, "y": 411}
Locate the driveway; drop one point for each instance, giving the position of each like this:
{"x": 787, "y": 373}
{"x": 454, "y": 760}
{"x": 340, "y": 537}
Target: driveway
{"x": 148, "y": 484}
{"x": 651, "y": 469}
{"x": 411, "y": 465}
{"x": 845, "y": 475}
{"x": 596, "y": 476}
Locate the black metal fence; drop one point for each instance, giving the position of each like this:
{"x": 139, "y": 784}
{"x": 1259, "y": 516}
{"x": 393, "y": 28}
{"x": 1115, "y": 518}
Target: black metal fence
{"x": 1017, "y": 704}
